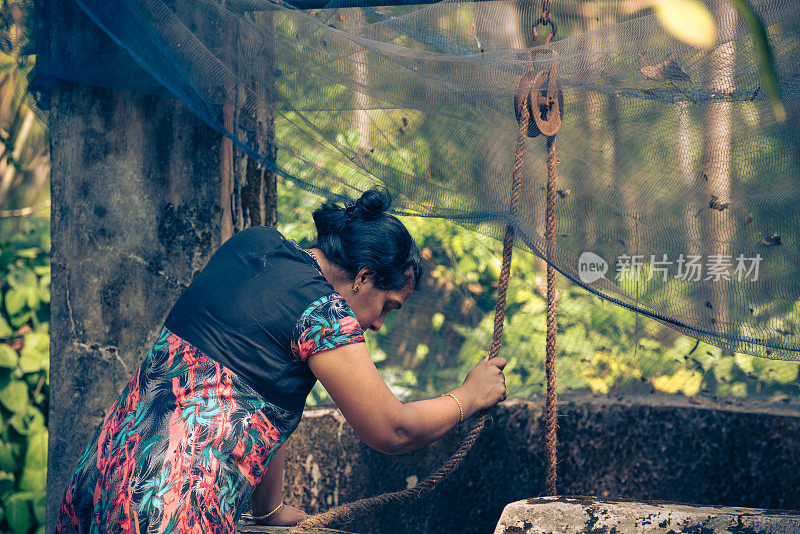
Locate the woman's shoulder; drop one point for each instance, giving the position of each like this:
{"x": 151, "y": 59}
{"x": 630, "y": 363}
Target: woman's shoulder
{"x": 260, "y": 241}
{"x": 267, "y": 237}
{"x": 258, "y": 233}
{"x": 276, "y": 251}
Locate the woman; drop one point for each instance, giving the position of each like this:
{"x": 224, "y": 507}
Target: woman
{"x": 191, "y": 436}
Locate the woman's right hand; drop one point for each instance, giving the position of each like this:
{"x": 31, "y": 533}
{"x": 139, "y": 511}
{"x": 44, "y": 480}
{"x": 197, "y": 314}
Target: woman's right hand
{"x": 485, "y": 385}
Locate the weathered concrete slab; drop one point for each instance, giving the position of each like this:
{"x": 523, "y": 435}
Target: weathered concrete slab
{"x": 590, "y": 515}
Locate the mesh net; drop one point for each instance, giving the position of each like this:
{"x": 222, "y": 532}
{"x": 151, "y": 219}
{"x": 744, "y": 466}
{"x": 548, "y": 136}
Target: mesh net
{"x": 677, "y": 189}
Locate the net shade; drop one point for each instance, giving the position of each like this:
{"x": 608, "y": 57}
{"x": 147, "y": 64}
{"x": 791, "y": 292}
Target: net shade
{"x": 678, "y": 190}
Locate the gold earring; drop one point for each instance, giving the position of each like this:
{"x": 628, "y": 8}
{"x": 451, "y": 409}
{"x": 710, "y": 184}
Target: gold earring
{"x": 355, "y": 289}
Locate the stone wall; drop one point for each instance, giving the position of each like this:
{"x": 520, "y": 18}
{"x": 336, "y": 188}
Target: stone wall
{"x": 653, "y": 448}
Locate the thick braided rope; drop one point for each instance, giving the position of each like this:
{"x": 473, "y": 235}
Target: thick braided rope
{"x": 349, "y": 511}
{"x": 508, "y": 237}
{"x": 551, "y": 402}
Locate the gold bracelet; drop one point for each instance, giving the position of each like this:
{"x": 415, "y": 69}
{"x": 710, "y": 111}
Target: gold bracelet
{"x": 460, "y": 408}
{"x": 262, "y": 517}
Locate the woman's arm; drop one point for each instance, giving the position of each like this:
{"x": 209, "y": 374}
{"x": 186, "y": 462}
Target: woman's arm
{"x": 380, "y": 419}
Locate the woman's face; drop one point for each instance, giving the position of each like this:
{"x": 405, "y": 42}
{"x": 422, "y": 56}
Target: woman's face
{"x": 370, "y": 304}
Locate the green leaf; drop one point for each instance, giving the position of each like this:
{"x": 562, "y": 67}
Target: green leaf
{"x": 761, "y": 44}
{"x": 30, "y": 364}
{"x": 724, "y": 369}
{"x": 5, "y": 329}
{"x": 687, "y": 20}
{"x": 33, "y": 479}
{"x": 28, "y": 252}
{"x": 7, "y": 462}
{"x": 40, "y": 508}
{"x": 15, "y": 302}
{"x": 35, "y": 352}
{"x": 782, "y": 372}
{"x": 15, "y": 396}
{"x": 44, "y": 288}
{"x": 36, "y": 342}
{"x": 6, "y": 483}
{"x": 22, "y": 278}
{"x": 20, "y": 319}
{"x": 32, "y": 298}
{"x": 36, "y": 455}
{"x": 18, "y": 513}
{"x": 28, "y": 423}
{"x": 8, "y": 357}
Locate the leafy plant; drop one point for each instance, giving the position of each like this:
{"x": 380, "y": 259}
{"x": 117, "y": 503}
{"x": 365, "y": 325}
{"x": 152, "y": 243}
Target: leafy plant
{"x": 24, "y": 373}
{"x": 601, "y": 348}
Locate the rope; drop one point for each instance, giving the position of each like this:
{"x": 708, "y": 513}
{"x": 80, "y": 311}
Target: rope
{"x": 349, "y": 511}
{"x": 551, "y": 402}
{"x": 508, "y": 237}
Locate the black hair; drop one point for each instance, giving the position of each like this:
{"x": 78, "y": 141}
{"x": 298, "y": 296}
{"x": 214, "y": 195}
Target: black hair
{"x": 361, "y": 234}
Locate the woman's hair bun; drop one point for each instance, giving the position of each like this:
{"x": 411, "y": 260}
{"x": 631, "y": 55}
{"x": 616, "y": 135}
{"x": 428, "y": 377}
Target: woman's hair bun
{"x": 362, "y": 235}
{"x": 372, "y": 204}
{"x": 330, "y": 219}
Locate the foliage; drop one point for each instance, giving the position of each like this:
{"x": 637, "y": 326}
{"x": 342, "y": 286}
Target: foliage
{"x": 24, "y": 284}
{"x": 24, "y": 159}
{"x": 24, "y": 372}
{"x": 688, "y": 20}
{"x": 601, "y": 348}
{"x": 765, "y": 56}
{"x": 691, "y": 22}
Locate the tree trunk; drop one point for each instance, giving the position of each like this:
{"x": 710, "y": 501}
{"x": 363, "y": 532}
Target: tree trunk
{"x": 351, "y": 19}
{"x": 249, "y": 192}
{"x": 717, "y": 170}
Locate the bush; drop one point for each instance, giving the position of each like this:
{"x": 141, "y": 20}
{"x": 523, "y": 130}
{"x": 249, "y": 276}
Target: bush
{"x": 24, "y": 373}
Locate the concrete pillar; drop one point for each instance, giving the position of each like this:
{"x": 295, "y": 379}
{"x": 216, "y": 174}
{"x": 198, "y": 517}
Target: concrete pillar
{"x": 135, "y": 214}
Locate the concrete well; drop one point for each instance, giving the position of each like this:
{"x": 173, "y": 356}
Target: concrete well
{"x": 741, "y": 454}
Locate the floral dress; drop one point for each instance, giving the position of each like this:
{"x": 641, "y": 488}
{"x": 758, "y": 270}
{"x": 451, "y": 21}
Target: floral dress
{"x": 194, "y": 430}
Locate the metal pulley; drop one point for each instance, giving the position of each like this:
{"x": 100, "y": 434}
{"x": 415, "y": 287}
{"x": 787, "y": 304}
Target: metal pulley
{"x": 541, "y": 93}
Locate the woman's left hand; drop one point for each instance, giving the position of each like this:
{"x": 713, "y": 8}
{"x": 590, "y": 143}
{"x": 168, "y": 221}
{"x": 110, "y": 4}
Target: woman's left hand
{"x": 287, "y": 516}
